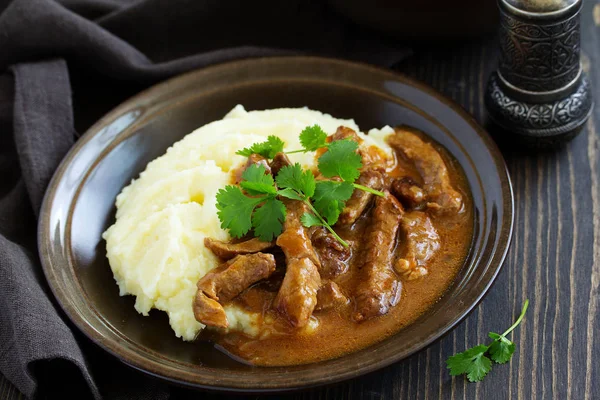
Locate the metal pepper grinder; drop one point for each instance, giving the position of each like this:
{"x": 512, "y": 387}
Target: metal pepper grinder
{"x": 539, "y": 94}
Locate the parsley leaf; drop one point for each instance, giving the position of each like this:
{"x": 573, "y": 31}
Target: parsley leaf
{"x": 313, "y": 138}
{"x": 293, "y": 177}
{"x": 330, "y": 197}
{"x": 341, "y": 159}
{"x": 239, "y": 212}
{"x": 309, "y": 220}
{"x": 267, "y": 149}
{"x": 256, "y": 180}
{"x": 290, "y": 194}
{"x": 235, "y": 210}
{"x": 267, "y": 220}
{"x": 301, "y": 185}
{"x": 474, "y": 362}
{"x": 502, "y": 349}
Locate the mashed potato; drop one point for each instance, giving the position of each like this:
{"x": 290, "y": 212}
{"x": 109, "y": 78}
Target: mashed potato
{"x": 156, "y": 246}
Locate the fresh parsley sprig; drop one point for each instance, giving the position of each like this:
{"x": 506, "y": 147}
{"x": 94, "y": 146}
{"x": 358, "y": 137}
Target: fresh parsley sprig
{"x": 267, "y": 149}
{"x": 329, "y": 196}
{"x": 340, "y": 160}
{"x": 254, "y": 203}
{"x": 257, "y": 208}
{"x": 312, "y": 138}
{"x": 474, "y": 362}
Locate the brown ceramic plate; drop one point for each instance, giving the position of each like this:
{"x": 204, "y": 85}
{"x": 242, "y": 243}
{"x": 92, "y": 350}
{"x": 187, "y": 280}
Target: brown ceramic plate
{"x": 79, "y": 206}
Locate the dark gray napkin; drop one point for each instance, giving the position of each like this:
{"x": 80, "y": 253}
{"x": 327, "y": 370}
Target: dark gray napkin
{"x": 64, "y": 64}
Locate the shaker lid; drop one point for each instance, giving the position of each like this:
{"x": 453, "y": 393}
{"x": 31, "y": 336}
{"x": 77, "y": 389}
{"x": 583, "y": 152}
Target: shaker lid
{"x": 541, "y": 9}
{"x": 540, "y": 5}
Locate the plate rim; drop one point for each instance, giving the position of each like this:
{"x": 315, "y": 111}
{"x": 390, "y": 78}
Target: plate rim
{"x": 83, "y": 325}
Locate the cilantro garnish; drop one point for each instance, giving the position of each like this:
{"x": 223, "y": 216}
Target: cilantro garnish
{"x": 254, "y": 204}
{"x": 256, "y": 181}
{"x": 341, "y": 159}
{"x": 267, "y": 149}
{"x": 301, "y": 185}
{"x": 330, "y": 197}
{"x": 293, "y": 177}
{"x": 239, "y": 212}
{"x": 475, "y": 362}
{"x": 312, "y": 138}
{"x": 235, "y": 210}
{"x": 267, "y": 220}
{"x": 309, "y": 220}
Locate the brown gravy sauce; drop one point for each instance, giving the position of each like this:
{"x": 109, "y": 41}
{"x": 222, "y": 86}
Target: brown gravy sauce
{"x": 337, "y": 333}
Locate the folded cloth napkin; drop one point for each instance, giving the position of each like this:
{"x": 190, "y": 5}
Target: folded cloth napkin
{"x": 62, "y": 65}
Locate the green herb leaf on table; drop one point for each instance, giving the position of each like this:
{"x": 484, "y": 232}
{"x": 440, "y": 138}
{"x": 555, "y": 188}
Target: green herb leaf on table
{"x": 341, "y": 159}
{"x": 267, "y": 149}
{"x": 235, "y": 210}
{"x": 256, "y": 180}
{"x": 501, "y": 349}
{"x": 267, "y": 220}
{"x": 474, "y": 362}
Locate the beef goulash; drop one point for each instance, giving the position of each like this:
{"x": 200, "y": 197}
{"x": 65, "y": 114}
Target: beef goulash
{"x": 441, "y": 196}
{"x": 318, "y": 298}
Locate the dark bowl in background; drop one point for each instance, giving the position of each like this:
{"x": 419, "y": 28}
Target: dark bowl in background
{"x": 422, "y": 20}
{"x": 79, "y": 206}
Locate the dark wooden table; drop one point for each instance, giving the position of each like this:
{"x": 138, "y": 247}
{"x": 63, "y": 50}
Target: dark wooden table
{"x": 554, "y": 260}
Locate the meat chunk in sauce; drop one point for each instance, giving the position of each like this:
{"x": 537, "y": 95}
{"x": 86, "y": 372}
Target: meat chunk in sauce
{"x": 332, "y": 254}
{"x": 441, "y": 196}
{"x": 330, "y": 296}
{"x": 279, "y": 161}
{"x": 421, "y": 240}
{"x": 226, "y": 282}
{"x": 379, "y": 289}
{"x": 344, "y": 132}
{"x": 226, "y": 251}
{"x": 297, "y": 295}
{"x": 253, "y": 159}
{"x": 410, "y": 194}
{"x": 361, "y": 199}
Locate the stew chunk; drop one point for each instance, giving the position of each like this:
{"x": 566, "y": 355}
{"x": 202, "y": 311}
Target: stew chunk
{"x": 227, "y": 251}
{"x": 422, "y": 241}
{"x": 226, "y": 282}
{"x": 297, "y": 295}
{"x": 408, "y": 192}
{"x": 279, "y": 161}
{"x": 379, "y": 289}
{"x": 332, "y": 254}
{"x": 330, "y": 296}
{"x": 360, "y": 200}
{"x": 441, "y": 196}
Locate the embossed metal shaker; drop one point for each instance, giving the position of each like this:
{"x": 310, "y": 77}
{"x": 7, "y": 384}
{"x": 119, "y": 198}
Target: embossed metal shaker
{"x": 539, "y": 93}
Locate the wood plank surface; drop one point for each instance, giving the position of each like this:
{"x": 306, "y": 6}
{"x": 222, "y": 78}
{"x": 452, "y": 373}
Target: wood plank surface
{"x": 554, "y": 261}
